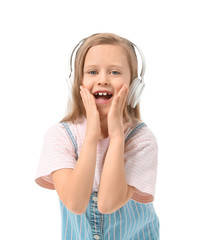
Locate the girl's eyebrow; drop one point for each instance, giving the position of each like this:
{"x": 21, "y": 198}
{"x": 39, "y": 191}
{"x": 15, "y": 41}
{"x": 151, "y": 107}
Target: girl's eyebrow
{"x": 110, "y": 66}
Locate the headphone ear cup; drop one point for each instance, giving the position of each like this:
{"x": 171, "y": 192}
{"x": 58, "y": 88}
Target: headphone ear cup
{"x": 135, "y": 92}
{"x": 69, "y": 81}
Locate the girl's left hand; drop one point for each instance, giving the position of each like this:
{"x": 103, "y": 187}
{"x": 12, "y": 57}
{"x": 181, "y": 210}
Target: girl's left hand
{"x": 116, "y": 127}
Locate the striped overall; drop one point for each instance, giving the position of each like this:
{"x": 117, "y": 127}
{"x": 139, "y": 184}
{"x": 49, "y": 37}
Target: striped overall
{"x": 133, "y": 221}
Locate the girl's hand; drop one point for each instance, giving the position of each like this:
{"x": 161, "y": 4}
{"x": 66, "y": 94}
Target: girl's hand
{"x": 93, "y": 128}
{"x": 116, "y": 127}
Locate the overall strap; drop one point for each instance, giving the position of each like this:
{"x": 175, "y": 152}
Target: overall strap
{"x": 135, "y": 131}
{"x": 131, "y": 134}
{"x": 71, "y": 137}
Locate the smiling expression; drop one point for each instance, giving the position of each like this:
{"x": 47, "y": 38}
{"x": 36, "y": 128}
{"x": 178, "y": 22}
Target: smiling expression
{"x": 106, "y": 67}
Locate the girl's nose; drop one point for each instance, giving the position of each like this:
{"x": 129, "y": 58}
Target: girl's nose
{"x": 103, "y": 79}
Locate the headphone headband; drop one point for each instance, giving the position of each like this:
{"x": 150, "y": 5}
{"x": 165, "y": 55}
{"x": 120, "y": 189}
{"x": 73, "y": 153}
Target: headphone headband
{"x": 143, "y": 61}
{"x": 73, "y": 53}
{"x": 136, "y": 47}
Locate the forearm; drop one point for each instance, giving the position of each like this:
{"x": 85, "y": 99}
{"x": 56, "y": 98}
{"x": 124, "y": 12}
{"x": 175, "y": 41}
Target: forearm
{"x": 83, "y": 174}
{"x": 113, "y": 185}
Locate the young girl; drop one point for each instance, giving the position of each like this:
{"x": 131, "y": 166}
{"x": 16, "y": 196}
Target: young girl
{"x": 101, "y": 158}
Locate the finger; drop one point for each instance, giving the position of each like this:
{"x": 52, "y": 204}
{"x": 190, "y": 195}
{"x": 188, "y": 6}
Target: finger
{"x": 120, "y": 93}
{"x": 117, "y": 100}
{"x": 84, "y": 98}
{"x": 122, "y": 90}
{"x": 125, "y": 98}
{"x": 89, "y": 100}
{"x": 84, "y": 101}
{"x": 122, "y": 96}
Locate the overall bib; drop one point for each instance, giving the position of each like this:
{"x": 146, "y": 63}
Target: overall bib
{"x": 133, "y": 221}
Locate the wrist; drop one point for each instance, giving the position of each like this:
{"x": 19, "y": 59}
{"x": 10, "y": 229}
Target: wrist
{"x": 118, "y": 143}
{"x": 119, "y": 137}
{"x": 91, "y": 139}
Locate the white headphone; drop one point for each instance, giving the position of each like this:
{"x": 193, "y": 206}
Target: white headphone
{"x": 135, "y": 90}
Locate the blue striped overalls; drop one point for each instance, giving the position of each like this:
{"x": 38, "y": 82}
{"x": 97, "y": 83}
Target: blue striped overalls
{"x": 133, "y": 221}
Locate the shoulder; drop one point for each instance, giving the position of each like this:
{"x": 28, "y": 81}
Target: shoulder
{"x": 54, "y": 130}
{"x": 60, "y": 127}
{"x": 57, "y": 132}
{"x": 140, "y": 133}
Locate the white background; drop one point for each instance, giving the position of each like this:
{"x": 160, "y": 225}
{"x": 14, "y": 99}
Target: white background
{"x": 36, "y": 40}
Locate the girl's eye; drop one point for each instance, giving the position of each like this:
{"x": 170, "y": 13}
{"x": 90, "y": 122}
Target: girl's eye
{"x": 92, "y": 72}
{"x": 115, "y": 72}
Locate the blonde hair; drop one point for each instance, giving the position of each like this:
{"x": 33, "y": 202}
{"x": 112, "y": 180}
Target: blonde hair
{"x": 78, "y": 109}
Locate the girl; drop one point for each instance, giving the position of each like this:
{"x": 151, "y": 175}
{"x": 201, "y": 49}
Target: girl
{"x": 101, "y": 158}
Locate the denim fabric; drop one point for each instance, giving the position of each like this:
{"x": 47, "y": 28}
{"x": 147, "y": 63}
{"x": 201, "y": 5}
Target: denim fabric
{"x": 133, "y": 221}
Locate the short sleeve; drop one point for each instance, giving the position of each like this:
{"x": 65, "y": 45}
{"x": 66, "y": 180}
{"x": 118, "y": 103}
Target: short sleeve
{"x": 141, "y": 159}
{"x": 57, "y": 152}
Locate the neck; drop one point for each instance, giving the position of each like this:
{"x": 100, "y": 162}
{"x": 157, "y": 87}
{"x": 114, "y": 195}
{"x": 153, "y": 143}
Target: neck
{"x": 104, "y": 127}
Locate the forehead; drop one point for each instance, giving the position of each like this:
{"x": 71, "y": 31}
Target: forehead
{"x": 106, "y": 53}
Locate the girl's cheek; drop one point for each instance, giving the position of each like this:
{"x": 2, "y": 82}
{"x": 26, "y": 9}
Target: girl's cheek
{"x": 86, "y": 86}
{"x": 119, "y": 87}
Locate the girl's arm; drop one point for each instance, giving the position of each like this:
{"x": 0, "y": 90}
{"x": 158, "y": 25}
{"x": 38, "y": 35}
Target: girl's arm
{"x": 113, "y": 186}
{"x": 113, "y": 190}
{"x": 74, "y": 188}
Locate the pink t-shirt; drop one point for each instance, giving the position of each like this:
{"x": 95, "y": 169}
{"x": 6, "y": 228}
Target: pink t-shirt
{"x": 140, "y": 155}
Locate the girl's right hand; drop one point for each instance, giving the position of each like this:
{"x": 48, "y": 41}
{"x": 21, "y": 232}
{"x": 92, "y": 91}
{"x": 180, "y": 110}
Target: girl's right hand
{"x": 93, "y": 128}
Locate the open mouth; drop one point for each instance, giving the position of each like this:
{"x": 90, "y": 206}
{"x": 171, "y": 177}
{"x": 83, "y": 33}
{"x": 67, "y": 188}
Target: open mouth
{"x": 103, "y": 96}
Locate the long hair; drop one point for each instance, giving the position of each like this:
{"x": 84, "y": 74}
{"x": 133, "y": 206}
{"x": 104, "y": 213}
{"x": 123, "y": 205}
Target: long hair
{"x": 78, "y": 109}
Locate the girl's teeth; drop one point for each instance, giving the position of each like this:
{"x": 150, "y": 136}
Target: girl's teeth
{"x": 103, "y": 94}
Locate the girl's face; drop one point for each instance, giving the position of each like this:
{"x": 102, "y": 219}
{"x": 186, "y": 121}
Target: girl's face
{"x": 105, "y": 68}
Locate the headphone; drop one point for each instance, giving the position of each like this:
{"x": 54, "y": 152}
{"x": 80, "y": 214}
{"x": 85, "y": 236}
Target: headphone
{"x": 135, "y": 90}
